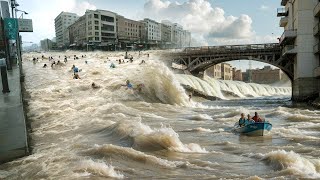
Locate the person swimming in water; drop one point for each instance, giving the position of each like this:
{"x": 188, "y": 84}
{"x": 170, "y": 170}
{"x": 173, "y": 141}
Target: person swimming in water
{"x": 128, "y": 85}
{"x": 112, "y": 65}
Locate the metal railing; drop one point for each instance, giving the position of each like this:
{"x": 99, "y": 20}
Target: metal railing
{"x": 282, "y": 12}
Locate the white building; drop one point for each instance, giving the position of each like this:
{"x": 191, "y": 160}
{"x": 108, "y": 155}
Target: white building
{"x": 300, "y": 43}
{"x": 101, "y": 26}
{"x": 179, "y": 36}
{"x": 153, "y": 30}
{"x": 62, "y": 22}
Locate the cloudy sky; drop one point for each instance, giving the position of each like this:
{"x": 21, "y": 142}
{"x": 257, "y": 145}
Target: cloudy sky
{"x": 211, "y": 22}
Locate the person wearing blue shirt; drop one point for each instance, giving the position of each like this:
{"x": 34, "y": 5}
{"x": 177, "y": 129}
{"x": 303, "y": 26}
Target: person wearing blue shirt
{"x": 242, "y": 120}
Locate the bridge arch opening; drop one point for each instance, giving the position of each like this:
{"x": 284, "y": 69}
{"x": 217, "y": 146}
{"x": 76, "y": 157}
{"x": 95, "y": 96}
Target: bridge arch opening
{"x": 261, "y": 72}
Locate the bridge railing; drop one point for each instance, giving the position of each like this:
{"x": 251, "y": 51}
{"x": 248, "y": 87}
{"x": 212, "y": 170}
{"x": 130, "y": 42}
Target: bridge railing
{"x": 208, "y": 49}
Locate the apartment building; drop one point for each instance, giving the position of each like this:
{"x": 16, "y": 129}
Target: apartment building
{"x": 101, "y": 27}
{"x": 300, "y": 43}
{"x": 153, "y": 30}
{"x": 61, "y": 23}
{"x": 214, "y": 71}
{"x": 267, "y": 75}
{"x": 130, "y": 31}
{"x": 165, "y": 33}
{"x": 78, "y": 32}
{"x": 226, "y": 71}
{"x": 237, "y": 74}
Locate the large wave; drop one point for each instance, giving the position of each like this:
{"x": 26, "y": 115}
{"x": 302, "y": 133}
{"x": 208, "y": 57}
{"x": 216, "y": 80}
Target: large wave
{"x": 218, "y": 88}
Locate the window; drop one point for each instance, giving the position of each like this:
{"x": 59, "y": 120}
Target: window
{"x": 90, "y": 27}
{"x": 90, "y": 16}
{"x": 96, "y": 16}
{"x": 108, "y": 34}
{"x": 107, "y": 18}
{"x": 96, "y": 22}
{"x": 96, "y": 27}
{"x": 96, "y": 33}
{"x": 107, "y": 27}
{"x": 96, "y": 38}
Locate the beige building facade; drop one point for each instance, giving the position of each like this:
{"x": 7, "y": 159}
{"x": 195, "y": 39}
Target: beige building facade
{"x": 129, "y": 30}
{"x": 61, "y": 23}
{"x": 237, "y": 74}
{"x": 300, "y": 44}
{"x": 226, "y": 71}
{"x": 214, "y": 71}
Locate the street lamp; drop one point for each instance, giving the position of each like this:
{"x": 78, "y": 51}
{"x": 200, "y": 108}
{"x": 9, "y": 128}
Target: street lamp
{"x": 23, "y": 12}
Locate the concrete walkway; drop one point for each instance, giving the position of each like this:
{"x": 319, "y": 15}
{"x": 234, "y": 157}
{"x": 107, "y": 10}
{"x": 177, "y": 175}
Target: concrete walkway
{"x": 13, "y": 136}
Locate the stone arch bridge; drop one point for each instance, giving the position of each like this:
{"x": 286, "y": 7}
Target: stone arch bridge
{"x": 197, "y": 59}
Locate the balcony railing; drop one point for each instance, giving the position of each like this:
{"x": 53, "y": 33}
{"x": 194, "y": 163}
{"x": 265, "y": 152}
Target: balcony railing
{"x": 282, "y": 12}
{"x": 316, "y": 48}
{"x": 284, "y": 2}
{"x": 288, "y": 36}
{"x": 316, "y": 29}
{"x": 289, "y": 50}
{"x": 316, "y": 10}
{"x": 317, "y": 72}
{"x": 283, "y": 21}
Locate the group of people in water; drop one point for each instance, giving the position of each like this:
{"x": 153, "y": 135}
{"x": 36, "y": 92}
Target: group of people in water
{"x": 244, "y": 121}
{"x": 76, "y": 70}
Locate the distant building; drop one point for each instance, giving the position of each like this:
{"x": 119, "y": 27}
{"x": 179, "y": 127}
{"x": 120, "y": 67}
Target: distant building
{"x": 214, "y": 71}
{"x": 61, "y": 23}
{"x": 267, "y": 75}
{"x": 130, "y": 31}
{"x": 46, "y": 44}
{"x": 153, "y": 31}
{"x": 226, "y": 70}
{"x": 78, "y": 32}
{"x": 237, "y": 74}
{"x": 179, "y": 36}
{"x": 107, "y": 30}
{"x": 165, "y": 34}
{"x": 4, "y": 9}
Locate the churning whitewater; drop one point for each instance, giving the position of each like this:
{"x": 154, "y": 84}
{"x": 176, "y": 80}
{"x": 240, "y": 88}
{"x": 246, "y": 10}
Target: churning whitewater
{"x": 110, "y": 131}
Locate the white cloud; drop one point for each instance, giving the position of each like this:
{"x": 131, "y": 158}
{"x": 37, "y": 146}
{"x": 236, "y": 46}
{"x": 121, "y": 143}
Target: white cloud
{"x": 208, "y": 24}
{"x": 264, "y": 7}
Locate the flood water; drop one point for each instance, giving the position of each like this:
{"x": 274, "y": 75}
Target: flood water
{"x": 112, "y": 132}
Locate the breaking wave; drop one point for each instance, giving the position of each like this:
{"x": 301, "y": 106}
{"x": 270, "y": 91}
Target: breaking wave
{"x": 145, "y": 138}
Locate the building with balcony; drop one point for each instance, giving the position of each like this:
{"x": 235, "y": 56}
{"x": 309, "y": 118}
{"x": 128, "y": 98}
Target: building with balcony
{"x": 129, "y": 30}
{"x": 61, "y": 23}
{"x": 299, "y": 42}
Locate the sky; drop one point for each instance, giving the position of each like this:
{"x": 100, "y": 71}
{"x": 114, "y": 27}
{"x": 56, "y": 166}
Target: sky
{"x": 211, "y": 22}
